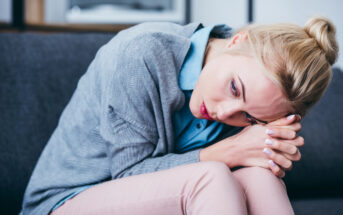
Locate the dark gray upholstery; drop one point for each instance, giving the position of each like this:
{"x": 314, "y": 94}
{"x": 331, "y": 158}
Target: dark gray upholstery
{"x": 39, "y": 72}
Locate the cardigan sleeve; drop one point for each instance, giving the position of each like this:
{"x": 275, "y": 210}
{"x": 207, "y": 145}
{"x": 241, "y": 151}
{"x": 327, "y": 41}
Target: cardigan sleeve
{"x": 132, "y": 155}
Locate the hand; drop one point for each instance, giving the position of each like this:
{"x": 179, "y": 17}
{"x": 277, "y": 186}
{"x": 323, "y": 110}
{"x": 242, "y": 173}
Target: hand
{"x": 283, "y": 151}
{"x": 246, "y": 148}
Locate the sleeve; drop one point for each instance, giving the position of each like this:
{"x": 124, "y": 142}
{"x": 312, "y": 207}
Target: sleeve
{"x": 133, "y": 154}
{"x": 129, "y": 109}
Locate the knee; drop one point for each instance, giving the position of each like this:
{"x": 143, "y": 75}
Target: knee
{"x": 214, "y": 172}
{"x": 217, "y": 176}
{"x": 258, "y": 171}
{"x": 214, "y": 168}
{"x": 258, "y": 174}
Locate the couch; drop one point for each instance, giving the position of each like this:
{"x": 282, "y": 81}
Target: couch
{"x": 39, "y": 72}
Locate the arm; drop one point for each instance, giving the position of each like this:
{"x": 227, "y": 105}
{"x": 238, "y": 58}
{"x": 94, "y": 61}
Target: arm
{"x": 134, "y": 153}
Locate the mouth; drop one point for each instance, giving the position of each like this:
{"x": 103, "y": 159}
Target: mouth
{"x": 204, "y": 112}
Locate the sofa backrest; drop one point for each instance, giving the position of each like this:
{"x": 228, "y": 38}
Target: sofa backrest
{"x": 320, "y": 170}
{"x": 38, "y": 74}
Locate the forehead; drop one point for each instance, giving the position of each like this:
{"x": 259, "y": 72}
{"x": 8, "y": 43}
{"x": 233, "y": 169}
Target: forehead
{"x": 264, "y": 99}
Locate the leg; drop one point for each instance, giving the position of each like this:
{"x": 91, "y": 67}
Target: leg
{"x": 266, "y": 194}
{"x": 196, "y": 189}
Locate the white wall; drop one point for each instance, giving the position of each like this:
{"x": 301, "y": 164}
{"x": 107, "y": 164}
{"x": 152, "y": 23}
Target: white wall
{"x": 295, "y": 11}
{"x": 54, "y": 11}
{"x": 6, "y": 11}
{"x": 230, "y": 12}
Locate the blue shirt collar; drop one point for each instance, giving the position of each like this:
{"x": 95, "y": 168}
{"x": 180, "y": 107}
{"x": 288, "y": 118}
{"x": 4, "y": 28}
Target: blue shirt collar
{"x": 192, "y": 65}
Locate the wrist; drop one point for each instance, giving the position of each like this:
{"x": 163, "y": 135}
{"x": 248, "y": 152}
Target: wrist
{"x": 224, "y": 151}
{"x": 203, "y": 155}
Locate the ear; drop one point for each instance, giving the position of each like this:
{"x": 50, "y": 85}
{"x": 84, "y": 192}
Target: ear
{"x": 239, "y": 37}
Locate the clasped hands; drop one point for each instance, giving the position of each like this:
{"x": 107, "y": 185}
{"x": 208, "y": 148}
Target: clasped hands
{"x": 273, "y": 146}
{"x": 282, "y": 144}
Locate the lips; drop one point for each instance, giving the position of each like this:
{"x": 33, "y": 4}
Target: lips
{"x": 204, "y": 112}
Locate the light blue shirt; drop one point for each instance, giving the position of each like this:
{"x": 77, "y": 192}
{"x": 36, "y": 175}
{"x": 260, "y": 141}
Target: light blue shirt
{"x": 191, "y": 132}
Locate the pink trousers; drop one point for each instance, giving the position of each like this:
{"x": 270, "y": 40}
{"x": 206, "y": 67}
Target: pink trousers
{"x": 203, "y": 188}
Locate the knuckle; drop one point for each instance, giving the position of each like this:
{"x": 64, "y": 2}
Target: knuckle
{"x": 288, "y": 164}
{"x": 282, "y": 174}
{"x": 276, "y": 144}
{"x": 298, "y": 156}
{"x": 297, "y": 126}
{"x": 300, "y": 126}
{"x": 301, "y": 141}
{"x": 279, "y": 172}
{"x": 293, "y": 150}
{"x": 291, "y": 134}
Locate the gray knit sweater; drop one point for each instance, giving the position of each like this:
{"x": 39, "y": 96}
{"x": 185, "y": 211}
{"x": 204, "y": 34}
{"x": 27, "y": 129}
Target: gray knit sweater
{"x": 118, "y": 122}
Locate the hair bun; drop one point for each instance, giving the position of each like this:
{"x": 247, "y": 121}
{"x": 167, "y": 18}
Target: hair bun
{"x": 323, "y": 31}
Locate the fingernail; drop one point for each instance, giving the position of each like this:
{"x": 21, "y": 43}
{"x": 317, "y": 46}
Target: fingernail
{"x": 267, "y": 151}
{"x": 272, "y": 163}
{"x": 299, "y": 116}
{"x": 290, "y": 117}
{"x": 269, "y": 142}
{"x": 268, "y": 131}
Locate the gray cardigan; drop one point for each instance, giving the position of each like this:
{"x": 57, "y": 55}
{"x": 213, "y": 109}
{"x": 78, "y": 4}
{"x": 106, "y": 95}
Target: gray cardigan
{"x": 118, "y": 122}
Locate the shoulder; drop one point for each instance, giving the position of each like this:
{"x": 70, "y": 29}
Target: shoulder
{"x": 149, "y": 43}
{"x": 167, "y": 28}
{"x": 150, "y": 35}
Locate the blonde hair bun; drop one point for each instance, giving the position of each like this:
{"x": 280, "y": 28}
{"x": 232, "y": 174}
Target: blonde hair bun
{"x": 323, "y": 31}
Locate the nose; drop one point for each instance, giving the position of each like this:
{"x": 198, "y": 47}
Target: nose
{"x": 225, "y": 110}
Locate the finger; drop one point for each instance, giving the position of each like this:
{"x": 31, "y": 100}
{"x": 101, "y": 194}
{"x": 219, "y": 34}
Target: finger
{"x": 278, "y": 158}
{"x": 295, "y": 157}
{"x": 276, "y": 169}
{"x": 283, "y": 121}
{"x": 282, "y": 133}
{"x": 296, "y": 126}
{"x": 298, "y": 141}
{"x": 286, "y": 120}
{"x": 281, "y": 146}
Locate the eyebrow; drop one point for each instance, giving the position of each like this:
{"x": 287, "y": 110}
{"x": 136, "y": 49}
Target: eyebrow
{"x": 243, "y": 90}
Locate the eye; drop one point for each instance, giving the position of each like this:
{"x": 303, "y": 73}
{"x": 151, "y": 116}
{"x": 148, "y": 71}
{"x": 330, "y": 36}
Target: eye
{"x": 250, "y": 119}
{"x": 234, "y": 89}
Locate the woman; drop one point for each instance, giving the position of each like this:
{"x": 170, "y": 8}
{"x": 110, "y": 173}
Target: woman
{"x": 158, "y": 111}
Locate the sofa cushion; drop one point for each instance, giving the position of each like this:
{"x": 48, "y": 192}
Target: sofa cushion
{"x": 318, "y": 206}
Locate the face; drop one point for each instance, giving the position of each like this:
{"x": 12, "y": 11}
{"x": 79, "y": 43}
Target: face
{"x": 235, "y": 90}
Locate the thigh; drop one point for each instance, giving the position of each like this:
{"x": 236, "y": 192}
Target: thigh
{"x": 128, "y": 196}
{"x": 189, "y": 189}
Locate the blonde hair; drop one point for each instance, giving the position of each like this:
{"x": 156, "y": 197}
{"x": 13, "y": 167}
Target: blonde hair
{"x": 296, "y": 59}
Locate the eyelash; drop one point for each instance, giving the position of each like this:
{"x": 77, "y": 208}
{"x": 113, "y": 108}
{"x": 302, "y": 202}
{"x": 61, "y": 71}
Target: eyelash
{"x": 235, "y": 92}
